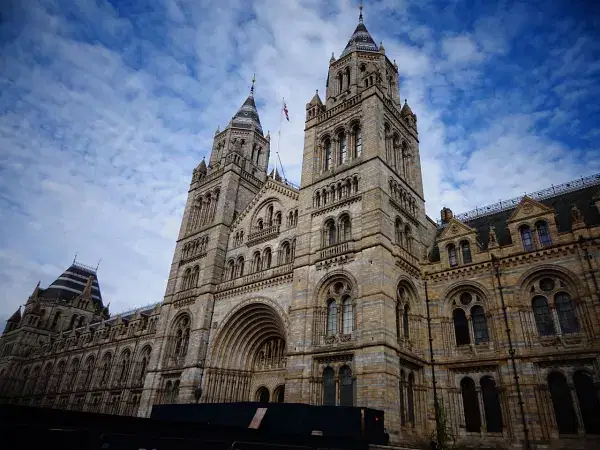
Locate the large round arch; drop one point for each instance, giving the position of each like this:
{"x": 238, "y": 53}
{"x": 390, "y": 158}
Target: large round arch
{"x": 248, "y": 352}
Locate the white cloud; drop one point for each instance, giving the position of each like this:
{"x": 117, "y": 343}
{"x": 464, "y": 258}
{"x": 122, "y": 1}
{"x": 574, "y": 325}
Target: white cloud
{"x": 98, "y": 138}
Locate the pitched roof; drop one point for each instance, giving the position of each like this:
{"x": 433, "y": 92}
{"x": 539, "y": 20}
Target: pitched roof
{"x": 247, "y": 115}
{"x": 72, "y": 282}
{"x": 560, "y": 198}
{"x": 360, "y": 40}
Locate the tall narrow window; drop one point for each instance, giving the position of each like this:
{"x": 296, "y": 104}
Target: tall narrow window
{"x": 491, "y": 405}
{"x": 328, "y": 387}
{"x": 543, "y": 316}
{"x": 465, "y": 248}
{"x": 330, "y": 233}
{"x": 256, "y": 263}
{"x": 399, "y": 228}
{"x": 526, "y": 238}
{"x": 346, "y": 391}
{"x": 343, "y": 147}
{"x": 332, "y": 317}
{"x": 452, "y": 257}
{"x": 345, "y": 229}
{"x": 269, "y": 216}
{"x": 410, "y": 397}
{"x": 267, "y": 259}
{"x": 566, "y": 420}
{"x": 327, "y": 155}
{"x": 461, "y": 327}
{"x": 357, "y": 142}
{"x": 402, "y": 385}
{"x": 480, "y": 329}
{"x": 566, "y": 313}
{"x": 588, "y": 402}
{"x": 347, "y": 316}
{"x": 470, "y": 405}
{"x": 405, "y": 322}
{"x": 543, "y": 234}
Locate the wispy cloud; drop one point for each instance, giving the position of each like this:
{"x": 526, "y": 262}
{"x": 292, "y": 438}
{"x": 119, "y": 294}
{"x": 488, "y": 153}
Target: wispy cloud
{"x": 105, "y": 108}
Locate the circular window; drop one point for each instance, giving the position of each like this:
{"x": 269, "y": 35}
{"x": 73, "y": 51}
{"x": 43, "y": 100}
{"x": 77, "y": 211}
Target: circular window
{"x": 338, "y": 288}
{"x": 465, "y": 298}
{"x": 547, "y": 284}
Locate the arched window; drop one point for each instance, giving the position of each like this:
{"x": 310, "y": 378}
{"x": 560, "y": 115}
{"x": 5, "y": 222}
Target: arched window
{"x": 278, "y": 218}
{"x": 55, "y": 320}
{"x": 345, "y": 228}
{"x": 491, "y": 405}
{"x": 285, "y": 255}
{"x": 327, "y": 155}
{"x": 73, "y": 321}
{"x": 526, "y": 238}
{"x": 230, "y": 270}
{"x": 317, "y": 203}
{"x": 106, "y": 367}
{"x": 169, "y": 392}
{"x": 240, "y": 266}
{"x": 399, "y": 231}
{"x": 410, "y": 397}
{"x": 470, "y": 405}
{"x": 452, "y": 257}
{"x": 89, "y": 372}
{"x": 262, "y": 395}
{"x": 269, "y": 217}
{"x": 347, "y": 315}
{"x": 461, "y": 327}
{"x": 328, "y": 387}
{"x": 267, "y": 259}
{"x": 143, "y": 365}
{"x": 405, "y": 322}
{"x": 256, "y": 262}
{"x": 543, "y": 233}
{"x": 279, "y": 394}
{"x": 587, "y": 398}
{"x": 124, "y": 366}
{"x": 332, "y": 317}
{"x": 465, "y": 249}
{"x": 259, "y": 224}
{"x": 343, "y": 147}
{"x": 195, "y": 276}
{"x": 408, "y": 238}
{"x": 186, "y": 280}
{"x": 182, "y": 336}
{"x": 566, "y": 313}
{"x": 357, "y": 141}
{"x": 543, "y": 316}
{"x": 566, "y": 420}
{"x": 329, "y": 233}
{"x": 480, "y": 329}
{"x": 346, "y": 388}
{"x": 81, "y": 322}
{"x": 402, "y": 401}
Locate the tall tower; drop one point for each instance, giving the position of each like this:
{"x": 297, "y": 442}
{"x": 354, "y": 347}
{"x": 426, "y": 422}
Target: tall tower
{"x": 236, "y": 171}
{"x": 362, "y": 231}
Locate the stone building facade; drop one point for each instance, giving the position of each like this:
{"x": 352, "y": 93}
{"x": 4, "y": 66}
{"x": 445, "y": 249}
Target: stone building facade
{"x": 343, "y": 291}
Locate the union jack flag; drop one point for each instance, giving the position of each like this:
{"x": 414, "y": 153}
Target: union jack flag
{"x": 285, "y": 110}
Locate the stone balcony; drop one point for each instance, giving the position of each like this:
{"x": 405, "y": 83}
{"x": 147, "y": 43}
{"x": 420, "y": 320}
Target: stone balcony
{"x": 336, "y": 250}
{"x": 257, "y": 276}
{"x": 266, "y": 234}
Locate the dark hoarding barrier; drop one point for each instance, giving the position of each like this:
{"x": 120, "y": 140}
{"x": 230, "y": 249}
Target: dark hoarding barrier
{"x": 182, "y": 427}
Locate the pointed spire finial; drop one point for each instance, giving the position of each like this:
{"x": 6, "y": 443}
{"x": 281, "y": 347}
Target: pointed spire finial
{"x": 75, "y": 258}
{"x": 360, "y": 16}
{"x": 253, "y": 81}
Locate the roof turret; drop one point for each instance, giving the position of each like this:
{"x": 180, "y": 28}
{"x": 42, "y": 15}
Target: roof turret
{"x": 247, "y": 115}
{"x": 360, "y": 39}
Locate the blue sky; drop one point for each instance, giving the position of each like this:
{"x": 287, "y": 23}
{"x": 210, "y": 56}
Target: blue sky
{"x": 106, "y": 107}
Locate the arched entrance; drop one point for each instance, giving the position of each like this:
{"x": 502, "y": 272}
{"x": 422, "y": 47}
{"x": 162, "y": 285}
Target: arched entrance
{"x": 248, "y": 356}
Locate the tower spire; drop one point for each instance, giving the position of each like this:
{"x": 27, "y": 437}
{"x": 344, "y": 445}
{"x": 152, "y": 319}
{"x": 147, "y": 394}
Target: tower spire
{"x": 252, "y": 88}
{"x": 360, "y": 16}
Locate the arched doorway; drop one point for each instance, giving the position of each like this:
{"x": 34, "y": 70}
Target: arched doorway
{"x": 249, "y": 356}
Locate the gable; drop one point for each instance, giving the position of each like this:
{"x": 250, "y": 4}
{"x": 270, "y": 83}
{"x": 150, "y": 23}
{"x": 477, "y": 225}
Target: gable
{"x": 271, "y": 192}
{"x": 454, "y": 229}
{"x": 529, "y": 208}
